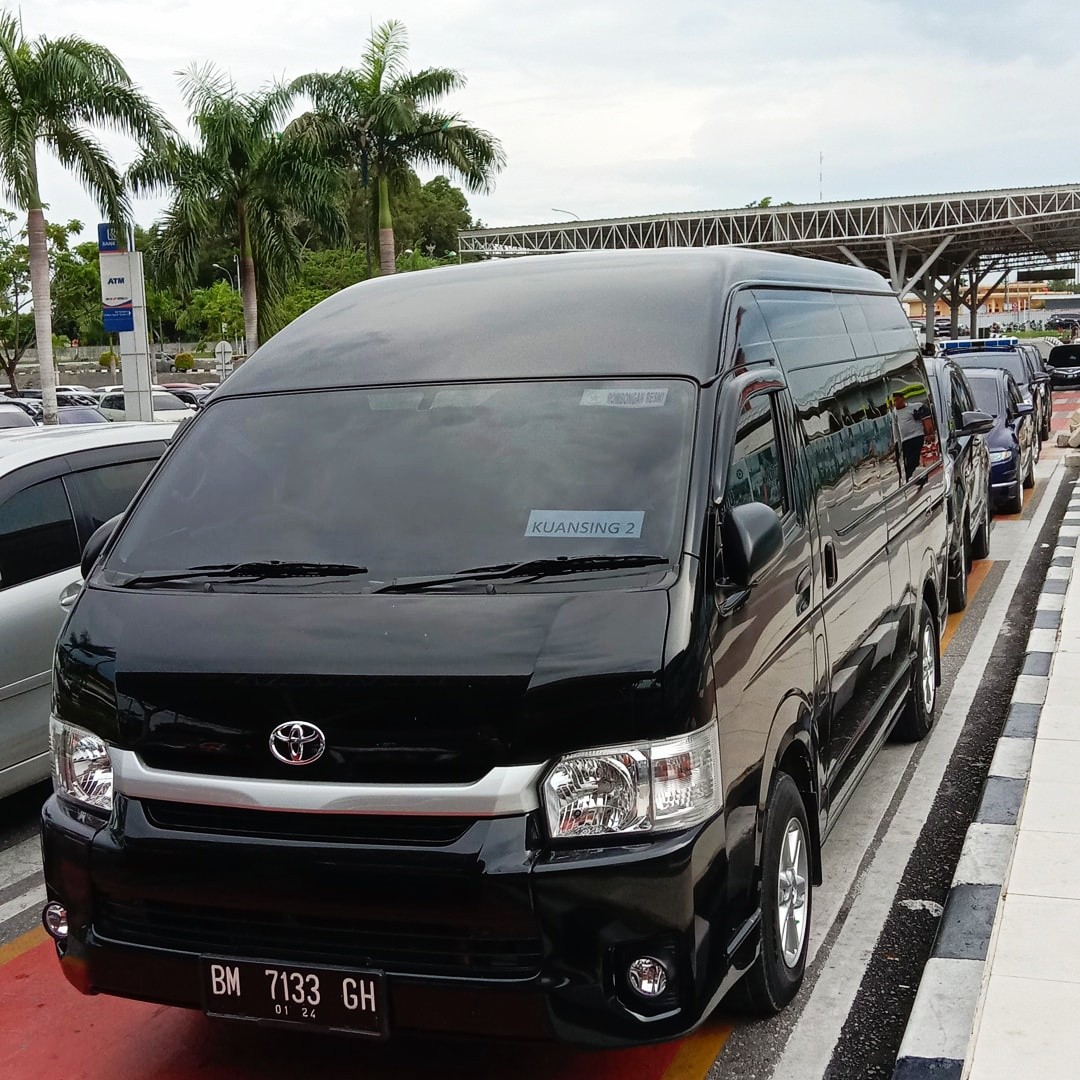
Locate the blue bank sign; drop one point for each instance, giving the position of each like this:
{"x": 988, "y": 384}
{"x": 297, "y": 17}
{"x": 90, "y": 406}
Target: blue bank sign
{"x": 108, "y": 239}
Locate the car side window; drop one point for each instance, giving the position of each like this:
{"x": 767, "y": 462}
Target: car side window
{"x": 104, "y": 492}
{"x": 756, "y": 473}
{"x": 112, "y": 401}
{"x": 37, "y": 534}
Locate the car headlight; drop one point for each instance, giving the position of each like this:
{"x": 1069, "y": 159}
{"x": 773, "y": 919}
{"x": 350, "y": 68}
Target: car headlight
{"x": 638, "y": 788}
{"x": 998, "y": 456}
{"x": 81, "y": 767}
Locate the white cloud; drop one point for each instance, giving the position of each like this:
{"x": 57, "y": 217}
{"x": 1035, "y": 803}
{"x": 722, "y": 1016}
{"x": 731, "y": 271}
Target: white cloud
{"x": 637, "y": 107}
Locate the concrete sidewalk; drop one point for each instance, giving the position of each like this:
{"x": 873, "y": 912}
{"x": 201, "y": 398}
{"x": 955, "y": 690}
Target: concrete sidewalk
{"x": 999, "y": 996}
{"x": 1026, "y": 1024}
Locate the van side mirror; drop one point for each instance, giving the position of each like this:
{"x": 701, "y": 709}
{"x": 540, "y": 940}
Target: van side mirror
{"x": 976, "y": 423}
{"x": 96, "y": 544}
{"x": 1025, "y": 408}
{"x": 752, "y": 537}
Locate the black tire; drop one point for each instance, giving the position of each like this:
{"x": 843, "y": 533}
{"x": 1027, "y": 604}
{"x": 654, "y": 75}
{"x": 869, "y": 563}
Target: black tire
{"x": 917, "y": 717}
{"x": 772, "y": 981}
{"x": 1014, "y": 503}
{"x": 980, "y": 541}
{"x": 1029, "y": 476}
{"x": 956, "y": 586}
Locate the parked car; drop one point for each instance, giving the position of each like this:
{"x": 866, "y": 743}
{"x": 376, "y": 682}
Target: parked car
{"x": 166, "y": 406}
{"x": 81, "y": 414}
{"x": 1012, "y": 439}
{"x": 193, "y": 397}
{"x": 63, "y": 396}
{"x": 1064, "y": 321}
{"x": 967, "y": 473}
{"x": 531, "y": 717}
{"x": 1038, "y": 366}
{"x": 1003, "y": 353}
{"x": 29, "y": 406}
{"x": 118, "y": 388}
{"x": 56, "y": 487}
{"x": 13, "y": 417}
{"x": 1064, "y": 365}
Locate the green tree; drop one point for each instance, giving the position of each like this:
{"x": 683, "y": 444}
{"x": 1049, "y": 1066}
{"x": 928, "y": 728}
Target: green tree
{"x": 76, "y": 292}
{"x": 245, "y": 180}
{"x": 382, "y": 119}
{"x": 429, "y": 216}
{"x": 322, "y": 273}
{"x": 16, "y": 322}
{"x": 52, "y": 91}
{"x": 213, "y": 313}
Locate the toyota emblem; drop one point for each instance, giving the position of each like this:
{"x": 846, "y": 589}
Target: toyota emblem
{"x": 297, "y": 743}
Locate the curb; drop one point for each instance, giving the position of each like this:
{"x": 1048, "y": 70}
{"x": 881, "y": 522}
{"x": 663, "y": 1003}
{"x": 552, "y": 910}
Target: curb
{"x": 939, "y": 1028}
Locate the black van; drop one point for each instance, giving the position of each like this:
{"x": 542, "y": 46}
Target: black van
{"x": 495, "y": 650}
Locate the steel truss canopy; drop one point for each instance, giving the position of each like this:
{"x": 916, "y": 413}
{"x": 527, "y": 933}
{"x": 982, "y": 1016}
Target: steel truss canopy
{"x": 922, "y": 243}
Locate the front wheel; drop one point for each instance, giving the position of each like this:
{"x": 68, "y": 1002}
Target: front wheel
{"x": 786, "y": 900}
{"x": 918, "y": 716}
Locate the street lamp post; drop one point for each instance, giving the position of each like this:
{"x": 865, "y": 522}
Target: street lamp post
{"x": 233, "y": 285}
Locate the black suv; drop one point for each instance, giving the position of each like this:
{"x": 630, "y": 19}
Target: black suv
{"x": 962, "y": 429}
{"x": 1008, "y": 355}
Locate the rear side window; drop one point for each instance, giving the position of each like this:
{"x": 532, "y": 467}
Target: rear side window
{"x": 37, "y": 534}
{"x": 105, "y": 492}
{"x": 908, "y": 396}
{"x": 756, "y": 471}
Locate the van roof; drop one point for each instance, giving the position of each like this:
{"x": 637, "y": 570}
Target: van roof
{"x": 586, "y": 314}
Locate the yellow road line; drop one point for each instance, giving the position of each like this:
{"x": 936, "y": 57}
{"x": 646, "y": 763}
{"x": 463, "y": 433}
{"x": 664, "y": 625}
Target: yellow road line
{"x": 23, "y": 943}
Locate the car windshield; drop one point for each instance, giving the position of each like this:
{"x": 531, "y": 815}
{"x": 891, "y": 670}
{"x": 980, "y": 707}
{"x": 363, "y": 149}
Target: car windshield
{"x": 987, "y": 395}
{"x": 417, "y": 481}
{"x": 1005, "y": 361}
{"x": 1064, "y": 356}
{"x": 77, "y": 414}
{"x": 168, "y": 403}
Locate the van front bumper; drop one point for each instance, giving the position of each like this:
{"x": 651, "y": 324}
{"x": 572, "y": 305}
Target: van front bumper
{"x": 489, "y": 935}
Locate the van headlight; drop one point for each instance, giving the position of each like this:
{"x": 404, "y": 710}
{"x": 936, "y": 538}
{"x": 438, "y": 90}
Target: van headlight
{"x": 81, "y": 767}
{"x": 638, "y": 788}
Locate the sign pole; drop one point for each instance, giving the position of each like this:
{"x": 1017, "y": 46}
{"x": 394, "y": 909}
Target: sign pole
{"x": 123, "y": 298}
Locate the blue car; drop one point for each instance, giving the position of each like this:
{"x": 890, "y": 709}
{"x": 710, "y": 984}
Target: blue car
{"x": 1011, "y": 441}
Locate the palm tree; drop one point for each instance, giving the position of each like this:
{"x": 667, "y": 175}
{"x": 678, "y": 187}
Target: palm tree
{"x": 52, "y": 90}
{"x": 243, "y": 179}
{"x": 381, "y": 118}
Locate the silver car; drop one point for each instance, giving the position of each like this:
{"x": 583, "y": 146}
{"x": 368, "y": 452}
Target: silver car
{"x": 57, "y": 485}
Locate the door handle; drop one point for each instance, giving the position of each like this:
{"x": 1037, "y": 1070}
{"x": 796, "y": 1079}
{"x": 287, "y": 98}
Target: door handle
{"x": 829, "y": 558}
{"x": 69, "y": 594}
{"x": 802, "y": 590}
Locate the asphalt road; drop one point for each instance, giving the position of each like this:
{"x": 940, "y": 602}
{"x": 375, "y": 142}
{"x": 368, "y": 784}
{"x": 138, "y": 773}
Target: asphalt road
{"x": 887, "y": 868}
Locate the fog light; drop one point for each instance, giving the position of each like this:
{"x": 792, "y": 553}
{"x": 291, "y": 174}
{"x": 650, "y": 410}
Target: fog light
{"x": 647, "y": 976}
{"x": 55, "y": 920}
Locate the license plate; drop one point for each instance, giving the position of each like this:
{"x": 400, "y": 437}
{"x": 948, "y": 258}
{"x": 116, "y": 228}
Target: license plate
{"x": 335, "y": 998}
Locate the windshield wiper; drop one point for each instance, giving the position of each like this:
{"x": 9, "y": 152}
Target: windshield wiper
{"x": 269, "y": 568}
{"x": 530, "y": 568}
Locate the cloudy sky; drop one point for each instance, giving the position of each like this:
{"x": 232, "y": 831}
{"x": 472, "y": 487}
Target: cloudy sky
{"x": 618, "y": 108}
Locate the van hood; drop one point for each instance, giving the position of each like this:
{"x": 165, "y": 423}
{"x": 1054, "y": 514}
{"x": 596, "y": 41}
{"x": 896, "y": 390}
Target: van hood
{"x": 407, "y": 689}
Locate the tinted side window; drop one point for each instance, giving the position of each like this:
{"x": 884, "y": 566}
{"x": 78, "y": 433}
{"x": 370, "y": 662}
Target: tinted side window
{"x": 908, "y": 394}
{"x": 105, "y": 492}
{"x": 748, "y": 330}
{"x": 756, "y": 471}
{"x": 805, "y": 326}
{"x": 37, "y": 534}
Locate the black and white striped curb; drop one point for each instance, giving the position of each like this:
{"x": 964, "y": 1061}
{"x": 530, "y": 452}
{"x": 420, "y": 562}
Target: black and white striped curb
{"x": 939, "y": 1029}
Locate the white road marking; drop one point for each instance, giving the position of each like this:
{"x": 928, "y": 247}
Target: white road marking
{"x": 34, "y": 897}
{"x": 20, "y": 861}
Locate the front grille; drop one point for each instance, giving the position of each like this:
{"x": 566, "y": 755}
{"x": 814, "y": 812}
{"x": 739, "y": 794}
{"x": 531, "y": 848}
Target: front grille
{"x": 276, "y": 936}
{"x": 328, "y": 828}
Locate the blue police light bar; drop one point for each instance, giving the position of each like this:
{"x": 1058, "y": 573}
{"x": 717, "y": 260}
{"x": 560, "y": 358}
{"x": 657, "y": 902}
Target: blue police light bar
{"x": 981, "y": 344}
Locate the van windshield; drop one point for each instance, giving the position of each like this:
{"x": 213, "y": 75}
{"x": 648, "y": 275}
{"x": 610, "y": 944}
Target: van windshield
{"x": 414, "y": 481}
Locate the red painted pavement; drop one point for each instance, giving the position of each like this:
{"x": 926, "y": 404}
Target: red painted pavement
{"x": 49, "y": 1031}
{"x": 1066, "y": 402}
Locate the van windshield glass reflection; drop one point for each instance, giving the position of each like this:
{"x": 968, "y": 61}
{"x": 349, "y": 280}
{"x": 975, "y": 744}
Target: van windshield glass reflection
{"x": 411, "y": 481}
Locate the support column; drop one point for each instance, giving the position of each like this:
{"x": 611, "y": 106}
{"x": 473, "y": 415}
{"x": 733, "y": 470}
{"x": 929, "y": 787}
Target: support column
{"x": 954, "y": 307}
{"x": 930, "y": 302}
